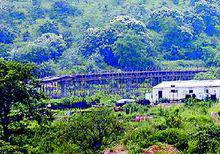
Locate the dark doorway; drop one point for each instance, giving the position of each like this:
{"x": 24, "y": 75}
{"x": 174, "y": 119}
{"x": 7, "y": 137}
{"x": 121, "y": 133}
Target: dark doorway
{"x": 160, "y": 94}
{"x": 187, "y": 96}
{"x": 213, "y": 97}
{"x": 194, "y": 96}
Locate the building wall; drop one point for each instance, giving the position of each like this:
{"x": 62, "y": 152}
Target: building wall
{"x": 200, "y": 92}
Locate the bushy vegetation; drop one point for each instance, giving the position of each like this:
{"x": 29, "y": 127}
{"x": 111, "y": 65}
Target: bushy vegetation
{"x": 190, "y": 129}
{"x": 72, "y": 36}
{"x": 19, "y": 103}
{"x": 81, "y": 36}
{"x": 27, "y": 127}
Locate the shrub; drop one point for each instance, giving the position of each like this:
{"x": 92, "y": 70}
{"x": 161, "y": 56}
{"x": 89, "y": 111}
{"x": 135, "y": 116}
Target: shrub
{"x": 172, "y": 136}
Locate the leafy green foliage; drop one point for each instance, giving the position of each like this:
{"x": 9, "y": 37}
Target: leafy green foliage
{"x": 78, "y": 36}
{"x": 19, "y": 99}
{"x": 47, "y": 47}
{"x": 134, "y": 47}
{"x": 188, "y": 127}
{"x": 132, "y": 108}
{"x": 87, "y": 131}
{"x": 7, "y": 36}
{"x": 94, "y": 36}
{"x": 99, "y": 129}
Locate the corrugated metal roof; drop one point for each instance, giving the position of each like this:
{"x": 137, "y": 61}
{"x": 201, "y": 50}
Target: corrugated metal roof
{"x": 189, "y": 83}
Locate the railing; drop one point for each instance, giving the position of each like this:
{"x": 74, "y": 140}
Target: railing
{"x": 121, "y": 75}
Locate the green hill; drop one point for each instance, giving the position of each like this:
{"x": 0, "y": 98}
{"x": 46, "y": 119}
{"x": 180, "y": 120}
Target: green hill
{"x": 94, "y": 35}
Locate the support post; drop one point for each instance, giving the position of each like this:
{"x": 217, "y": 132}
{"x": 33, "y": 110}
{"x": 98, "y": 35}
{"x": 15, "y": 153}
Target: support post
{"x": 63, "y": 89}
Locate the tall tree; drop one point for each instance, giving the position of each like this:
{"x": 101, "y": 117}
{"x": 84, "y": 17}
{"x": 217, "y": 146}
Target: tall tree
{"x": 91, "y": 130}
{"x": 133, "y": 53}
{"x": 19, "y": 98}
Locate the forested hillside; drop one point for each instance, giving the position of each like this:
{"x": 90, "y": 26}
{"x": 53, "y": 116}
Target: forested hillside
{"x": 74, "y": 36}
{"x": 111, "y": 114}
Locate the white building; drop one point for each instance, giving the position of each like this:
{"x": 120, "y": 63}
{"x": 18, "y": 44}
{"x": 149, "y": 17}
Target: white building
{"x": 178, "y": 90}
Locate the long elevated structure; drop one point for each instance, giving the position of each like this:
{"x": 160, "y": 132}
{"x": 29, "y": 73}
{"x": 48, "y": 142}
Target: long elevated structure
{"x": 64, "y": 85}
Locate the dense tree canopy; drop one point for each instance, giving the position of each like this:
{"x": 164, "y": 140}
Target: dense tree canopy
{"x": 87, "y": 36}
{"x": 75, "y": 34}
{"x": 19, "y": 99}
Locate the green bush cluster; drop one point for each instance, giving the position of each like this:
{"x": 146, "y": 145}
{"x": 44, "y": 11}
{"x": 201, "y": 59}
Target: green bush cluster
{"x": 78, "y": 36}
{"x": 190, "y": 128}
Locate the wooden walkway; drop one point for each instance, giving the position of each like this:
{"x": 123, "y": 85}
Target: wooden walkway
{"x": 122, "y": 75}
{"x": 66, "y": 85}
